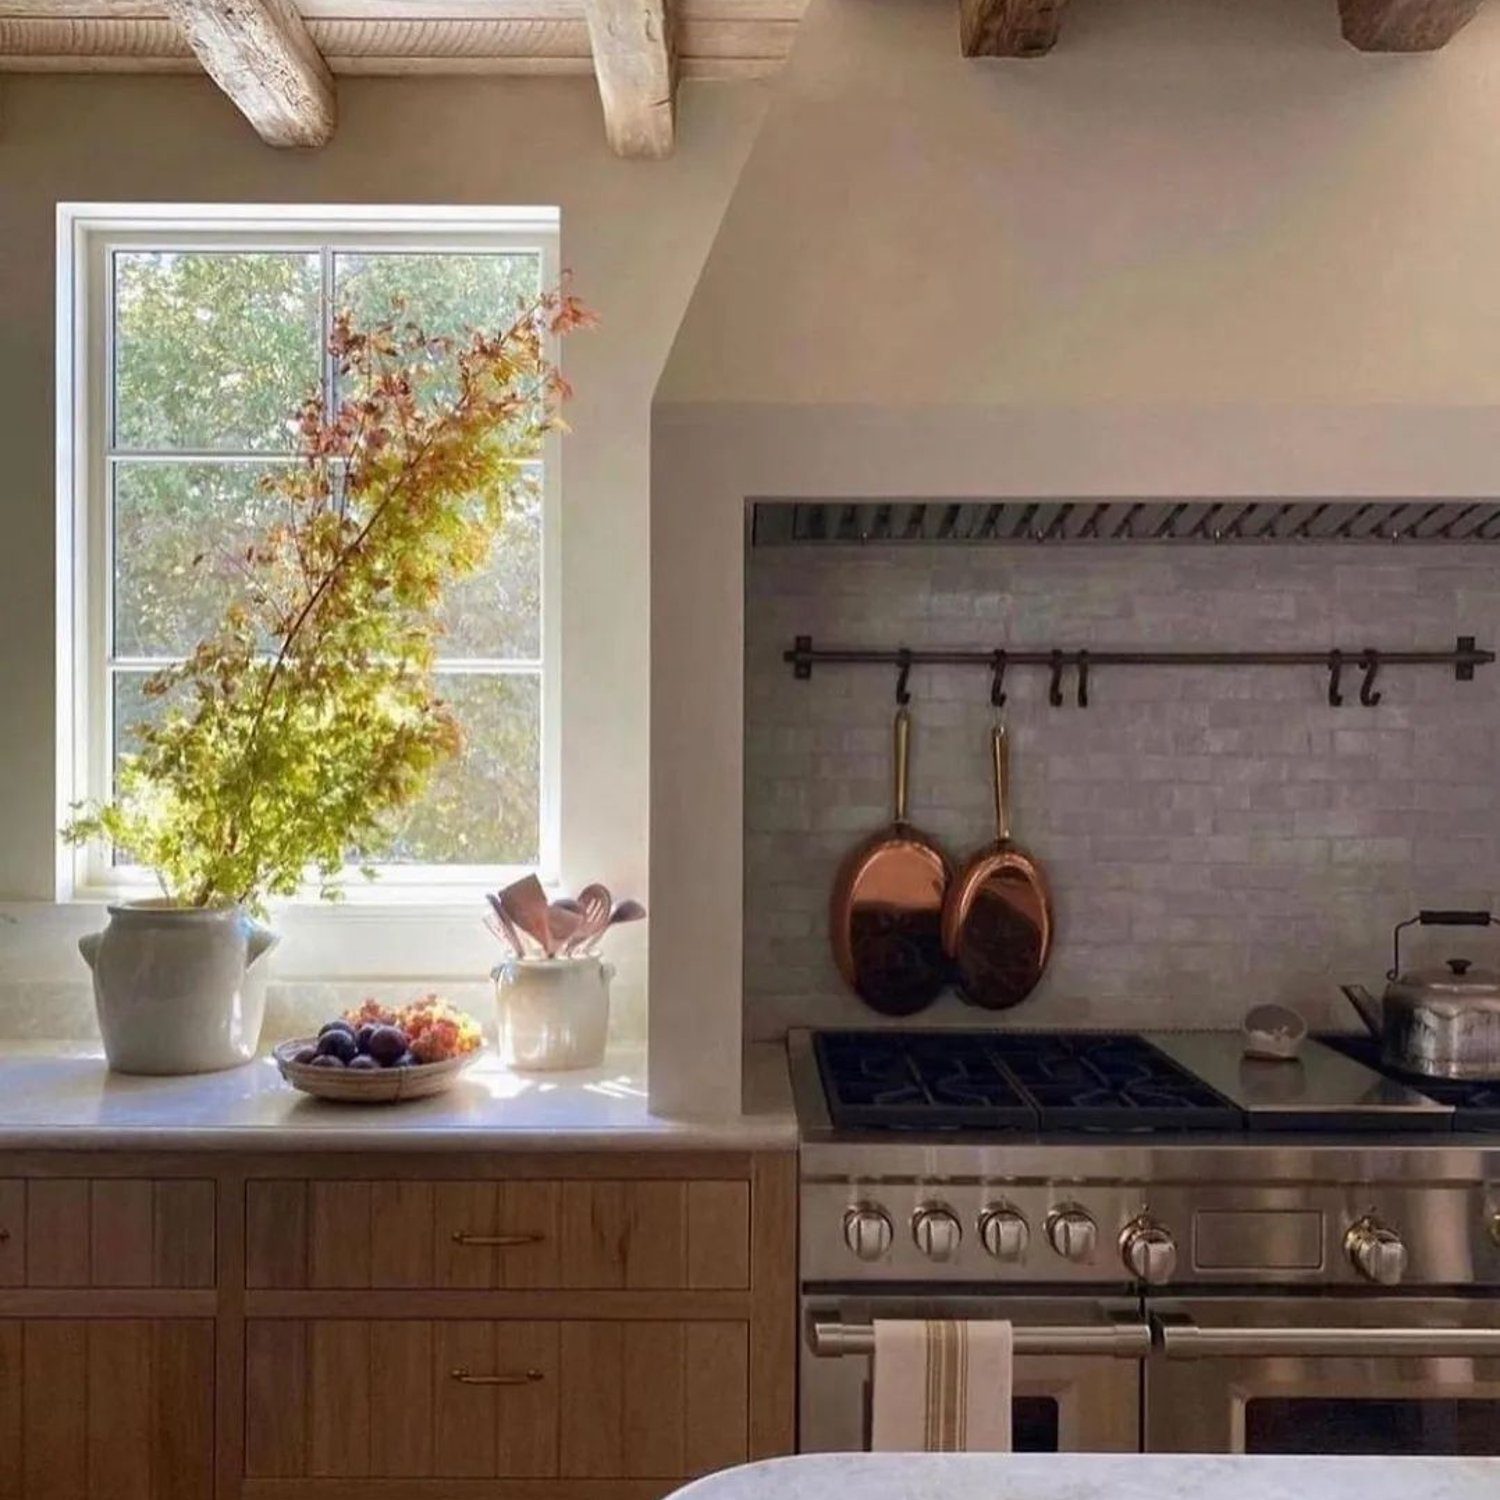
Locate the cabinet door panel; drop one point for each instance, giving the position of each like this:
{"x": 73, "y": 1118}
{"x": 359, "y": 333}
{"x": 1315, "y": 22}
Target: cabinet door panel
{"x": 106, "y": 1409}
{"x": 512, "y": 1399}
{"x": 10, "y": 1411}
{"x": 716, "y": 1396}
{"x": 12, "y": 1233}
{"x": 57, "y": 1233}
{"x": 107, "y": 1232}
{"x": 464, "y": 1214}
{"x": 522, "y": 1235}
{"x": 119, "y": 1426}
{"x": 526, "y": 1415}
{"x": 338, "y": 1366}
{"x": 401, "y": 1411}
{"x": 121, "y": 1233}
{"x": 465, "y": 1420}
{"x": 275, "y": 1399}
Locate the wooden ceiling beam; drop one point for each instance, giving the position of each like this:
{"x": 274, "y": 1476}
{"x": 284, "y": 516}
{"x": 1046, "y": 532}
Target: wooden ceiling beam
{"x": 260, "y": 53}
{"x": 635, "y": 60}
{"x": 1009, "y": 28}
{"x": 1404, "y": 25}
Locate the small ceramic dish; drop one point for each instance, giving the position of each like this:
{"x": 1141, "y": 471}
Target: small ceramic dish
{"x": 369, "y": 1086}
{"x": 1274, "y": 1033}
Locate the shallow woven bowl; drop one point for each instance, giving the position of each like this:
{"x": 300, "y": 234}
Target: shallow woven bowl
{"x": 388, "y": 1086}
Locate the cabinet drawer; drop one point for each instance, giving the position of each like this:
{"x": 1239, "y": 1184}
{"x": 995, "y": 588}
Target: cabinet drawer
{"x": 106, "y": 1232}
{"x": 494, "y": 1400}
{"x": 116, "y": 1409}
{"x": 488, "y": 1235}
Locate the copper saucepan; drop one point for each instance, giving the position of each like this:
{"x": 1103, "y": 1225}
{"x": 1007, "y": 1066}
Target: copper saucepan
{"x": 997, "y": 920}
{"x": 885, "y": 919}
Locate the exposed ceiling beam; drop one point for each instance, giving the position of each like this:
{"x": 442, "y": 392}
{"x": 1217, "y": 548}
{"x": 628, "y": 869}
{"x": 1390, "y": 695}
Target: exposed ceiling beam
{"x": 636, "y": 63}
{"x": 259, "y": 52}
{"x": 1009, "y": 28}
{"x": 1404, "y": 25}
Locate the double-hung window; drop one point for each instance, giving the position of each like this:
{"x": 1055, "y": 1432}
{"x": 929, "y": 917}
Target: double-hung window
{"x": 188, "y": 338}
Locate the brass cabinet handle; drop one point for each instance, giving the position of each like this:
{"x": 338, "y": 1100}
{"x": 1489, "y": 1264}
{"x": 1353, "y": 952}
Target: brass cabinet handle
{"x": 463, "y": 1237}
{"x": 509, "y": 1377}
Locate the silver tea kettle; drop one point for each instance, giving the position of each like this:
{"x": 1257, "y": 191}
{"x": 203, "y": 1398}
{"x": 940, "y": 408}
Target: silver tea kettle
{"x": 1441, "y": 1023}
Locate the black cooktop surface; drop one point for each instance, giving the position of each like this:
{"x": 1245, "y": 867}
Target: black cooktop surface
{"x": 1475, "y": 1104}
{"x": 1012, "y": 1081}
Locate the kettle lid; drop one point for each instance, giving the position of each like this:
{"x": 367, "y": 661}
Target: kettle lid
{"x": 1457, "y": 979}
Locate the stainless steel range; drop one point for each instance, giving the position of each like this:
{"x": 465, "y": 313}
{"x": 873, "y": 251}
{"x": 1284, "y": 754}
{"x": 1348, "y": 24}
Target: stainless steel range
{"x": 1199, "y": 1252}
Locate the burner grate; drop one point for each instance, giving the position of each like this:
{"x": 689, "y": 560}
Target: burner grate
{"x": 1012, "y": 1081}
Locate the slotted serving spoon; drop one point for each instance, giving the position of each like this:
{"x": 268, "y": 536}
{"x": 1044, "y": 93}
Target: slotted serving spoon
{"x": 594, "y": 905}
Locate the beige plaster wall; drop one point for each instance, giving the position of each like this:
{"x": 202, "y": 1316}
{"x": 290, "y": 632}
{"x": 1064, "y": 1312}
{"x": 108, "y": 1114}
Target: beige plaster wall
{"x": 634, "y": 234}
{"x": 1194, "y": 200}
{"x": 1203, "y": 248}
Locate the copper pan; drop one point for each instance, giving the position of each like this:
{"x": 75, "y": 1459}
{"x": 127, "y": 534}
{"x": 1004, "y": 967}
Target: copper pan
{"x": 885, "y": 919}
{"x": 997, "y": 920}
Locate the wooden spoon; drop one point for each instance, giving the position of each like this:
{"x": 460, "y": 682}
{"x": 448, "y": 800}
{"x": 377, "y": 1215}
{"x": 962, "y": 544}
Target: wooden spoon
{"x": 505, "y": 926}
{"x": 525, "y": 903}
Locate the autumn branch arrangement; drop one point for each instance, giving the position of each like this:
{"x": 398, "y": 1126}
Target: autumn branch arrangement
{"x": 288, "y": 740}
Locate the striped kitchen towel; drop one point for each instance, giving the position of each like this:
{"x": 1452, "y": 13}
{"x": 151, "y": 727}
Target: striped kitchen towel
{"x": 941, "y": 1386}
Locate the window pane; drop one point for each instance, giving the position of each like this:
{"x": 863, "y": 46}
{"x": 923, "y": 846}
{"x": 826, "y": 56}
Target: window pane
{"x": 498, "y": 611}
{"x": 444, "y": 293}
{"x": 214, "y": 350}
{"x": 485, "y": 807}
{"x": 178, "y": 533}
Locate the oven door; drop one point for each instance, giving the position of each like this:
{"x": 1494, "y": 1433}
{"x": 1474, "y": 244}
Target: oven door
{"x": 1077, "y": 1380}
{"x": 1380, "y": 1375}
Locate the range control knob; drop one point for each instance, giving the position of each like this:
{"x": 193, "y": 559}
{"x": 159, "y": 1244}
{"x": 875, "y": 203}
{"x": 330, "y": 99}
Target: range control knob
{"x": 1377, "y": 1251}
{"x": 1148, "y": 1250}
{"x": 868, "y": 1232}
{"x": 1072, "y": 1233}
{"x": 936, "y": 1232}
{"x": 1005, "y": 1234}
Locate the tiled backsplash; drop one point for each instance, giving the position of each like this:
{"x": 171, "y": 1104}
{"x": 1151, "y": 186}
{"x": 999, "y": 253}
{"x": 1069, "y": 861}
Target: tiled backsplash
{"x": 1214, "y": 837}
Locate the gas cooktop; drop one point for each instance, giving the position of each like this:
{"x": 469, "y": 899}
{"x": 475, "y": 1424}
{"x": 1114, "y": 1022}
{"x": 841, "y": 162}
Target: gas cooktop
{"x": 1120, "y": 1084}
{"x": 1017, "y": 1081}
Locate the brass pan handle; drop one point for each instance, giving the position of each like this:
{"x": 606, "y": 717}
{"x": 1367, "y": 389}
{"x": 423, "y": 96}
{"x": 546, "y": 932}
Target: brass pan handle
{"x": 902, "y": 760}
{"x": 1000, "y": 745}
{"x": 504, "y": 1241}
{"x": 506, "y": 1377}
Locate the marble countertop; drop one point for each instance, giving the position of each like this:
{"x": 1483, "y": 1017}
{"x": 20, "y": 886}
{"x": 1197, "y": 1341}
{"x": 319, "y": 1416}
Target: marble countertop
{"x": 61, "y": 1096}
{"x": 1111, "y": 1476}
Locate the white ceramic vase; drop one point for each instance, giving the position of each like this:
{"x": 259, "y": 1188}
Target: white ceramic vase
{"x": 179, "y": 989}
{"x": 553, "y": 1013}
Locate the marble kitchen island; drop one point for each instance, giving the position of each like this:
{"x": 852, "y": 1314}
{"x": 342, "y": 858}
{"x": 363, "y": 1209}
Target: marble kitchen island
{"x": 1101, "y": 1476}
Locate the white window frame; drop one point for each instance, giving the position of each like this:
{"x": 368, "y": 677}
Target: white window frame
{"x": 88, "y": 234}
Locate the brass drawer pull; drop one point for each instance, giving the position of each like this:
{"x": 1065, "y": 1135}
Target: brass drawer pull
{"x": 510, "y": 1377}
{"x": 504, "y": 1241}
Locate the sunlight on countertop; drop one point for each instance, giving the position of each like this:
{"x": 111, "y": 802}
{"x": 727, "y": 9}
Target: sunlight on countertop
{"x": 60, "y": 1094}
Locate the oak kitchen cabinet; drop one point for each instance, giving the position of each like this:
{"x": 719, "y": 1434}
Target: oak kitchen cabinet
{"x": 187, "y": 1325}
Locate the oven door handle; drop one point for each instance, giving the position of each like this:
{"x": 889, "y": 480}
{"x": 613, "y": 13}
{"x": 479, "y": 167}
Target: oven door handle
{"x": 1181, "y": 1338}
{"x": 1120, "y": 1336}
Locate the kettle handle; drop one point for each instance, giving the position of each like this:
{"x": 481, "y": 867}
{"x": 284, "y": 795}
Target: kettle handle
{"x": 1433, "y": 917}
